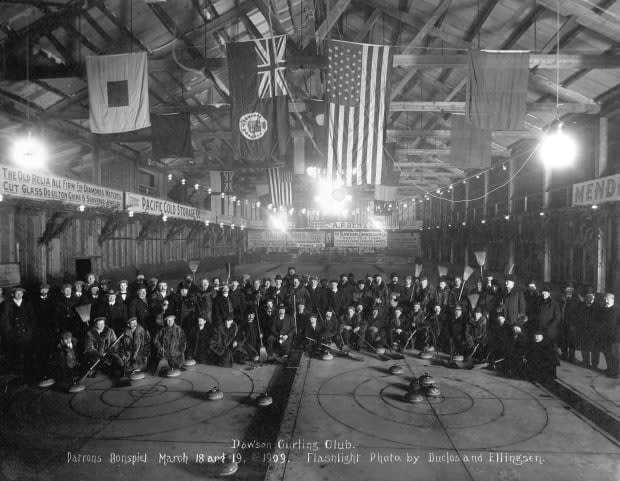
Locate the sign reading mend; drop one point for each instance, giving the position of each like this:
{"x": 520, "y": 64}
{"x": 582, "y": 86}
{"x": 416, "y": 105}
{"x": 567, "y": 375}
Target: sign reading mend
{"x": 154, "y": 206}
{"x": 596, "y": 191}
{"x": 43, "y": 186}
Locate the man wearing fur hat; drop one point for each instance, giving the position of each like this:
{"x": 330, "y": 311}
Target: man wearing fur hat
{"x": 135, "y": 346}
{"x": 170, "y": 343}
{"x": 100, "y": 340}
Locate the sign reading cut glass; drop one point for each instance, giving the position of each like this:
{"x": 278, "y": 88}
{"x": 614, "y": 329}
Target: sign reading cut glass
{"x": 596, "y": 191}
{"x": 44, "y": 186}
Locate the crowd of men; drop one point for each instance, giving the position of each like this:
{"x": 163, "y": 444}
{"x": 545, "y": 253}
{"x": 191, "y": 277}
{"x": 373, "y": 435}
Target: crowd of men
{"x": 130, "y": 327}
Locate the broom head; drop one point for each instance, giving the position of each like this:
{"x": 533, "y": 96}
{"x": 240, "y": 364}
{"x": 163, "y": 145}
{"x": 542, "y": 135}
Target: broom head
{"x": 442, "y": 271}
{"x": 418, "y": 270}
{"x": 193, "y": 265}
{"x": 481, "y": 257}
{"x": 467, "y": 272}
{"x": 83, "y": 312}
{"x": 473, "y": 300}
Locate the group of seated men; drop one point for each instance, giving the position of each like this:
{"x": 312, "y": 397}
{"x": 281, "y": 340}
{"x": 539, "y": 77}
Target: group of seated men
{"x": 133, "y": 328}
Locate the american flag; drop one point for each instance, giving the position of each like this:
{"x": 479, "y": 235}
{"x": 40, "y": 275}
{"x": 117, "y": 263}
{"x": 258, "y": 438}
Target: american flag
{"x": 357, "y": 86}
{"x": 280, "y": 186}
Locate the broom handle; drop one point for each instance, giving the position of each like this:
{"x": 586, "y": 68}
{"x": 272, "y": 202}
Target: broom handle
{"x": 96, "y": 363}
{"x": 461, "y": 293}
{"x": 260, "y": 332}
{"x": 295, "y": 313}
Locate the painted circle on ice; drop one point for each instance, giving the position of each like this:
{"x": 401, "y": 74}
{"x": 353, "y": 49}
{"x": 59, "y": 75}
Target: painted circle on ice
{"x": 465, "y": 415}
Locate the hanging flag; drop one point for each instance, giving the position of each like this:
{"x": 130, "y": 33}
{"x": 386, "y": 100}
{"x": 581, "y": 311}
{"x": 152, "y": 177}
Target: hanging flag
{"x": 497, "y": 89}
{"x": 357, "y": 85}
{"x": 470, "y": 146}
{"x": 390, "y": 178}
{"x": 118, "y": 93}
{"x": 259, "y": 94}
{"x": 280, "y": 186}
{"x": 221, "y": 181}
{"x": 172, "y": 136}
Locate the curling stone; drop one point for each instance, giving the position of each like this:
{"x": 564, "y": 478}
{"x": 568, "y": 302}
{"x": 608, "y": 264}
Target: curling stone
{"x": 264, "y": 400}
{"x": 47, "y": 382}
{"x": 136, "y": 376}
{"x": 173, "y": 373}
{"x": 429, "y": 349}
{"x": 327, "y": 356}
{"x": 414, "y": 397}
{"x": 396, "y": 369}
{"x": 415, "y": 386}
{"x": 76, "y": 388}
{"x": 255, "y": 359}
{"x": 215, "y": 394}
{"x": 433, "y": 391}
{"x": 381, "y": 351}
{"x": 229, "y": 466}
{"x": 458, "y": 358}
{"x": 426, "y": 380}
{"x": 426, "y": 355}
{"x": 189, "y": 363}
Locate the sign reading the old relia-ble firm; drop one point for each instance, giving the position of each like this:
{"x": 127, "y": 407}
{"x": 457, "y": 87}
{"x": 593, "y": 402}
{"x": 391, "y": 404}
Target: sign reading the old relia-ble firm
{"x": 154, "y": 206}
{"x": 596, "y": 191}
{"x": 44, "y": 186}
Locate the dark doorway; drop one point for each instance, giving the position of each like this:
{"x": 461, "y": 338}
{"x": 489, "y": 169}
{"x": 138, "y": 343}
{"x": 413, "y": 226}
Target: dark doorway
{"x": 83, "y": 267}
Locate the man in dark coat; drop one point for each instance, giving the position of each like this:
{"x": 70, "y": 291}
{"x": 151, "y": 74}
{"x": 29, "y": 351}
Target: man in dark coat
{"x": 297, "y": 294}
{"x": 346, "y": 287}
{"x": 335, "y": 299}
{"x": 139, "y": 308}
{"x": 278, "y": 292}
{"x": 532, "y": 297}
{"x": 377, "y": 327}
{"x": 237, "y": 299}
{"x": 353, "y": 328}
{"x": 408, "y": 291}
{"x": 200, "y": 342}
{"x": 318, "y": 296}
{"x": 548, "y": 316}
{"x": 458, "y": 321}
{"x": 442, "y": 294}
{"x": 123, "y": 294}
{"x": 380, "y": 289}
{"x": 394, "y": 287}
{"x": 513, "y": 301}
{"x": 571, "y": 310}
{"x": 249, "y": 337}
{"x": 398, "y": 330}
{"x": 362, "y": 294}
{"x": 17, "y": 327}
{"x": 170, "y": 343}
{"x": 222, "y": 306}
{"x": 425, "y": 295}
{"x": 609, "y": 319}
{"x": 65, "y": 317}
{"x": 476, "y": 335}
{"x": 330, "y": 331}
{"x": 224, "y": 342}
{"x": 115, "y": 312}
{"x": 312, "y": 335}
{"x": 135, "y": 346}
{"x": 204, "y": 300}
{"x": 587, "y": 341}
{"x": 280, "y": 338}
{"x": 541, "y": 359}
{"x": 186, "y": 309}
{"x": 46, "y": 334}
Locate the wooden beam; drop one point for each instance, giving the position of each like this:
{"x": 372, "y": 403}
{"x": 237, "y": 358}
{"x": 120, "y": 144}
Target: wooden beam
{"x": 459, "y": 107}
{"x": 395, "y": 134}
{"x": 332, "y": 18}
{"x": 602, "y": 24}
{"x": 368, "y": 24}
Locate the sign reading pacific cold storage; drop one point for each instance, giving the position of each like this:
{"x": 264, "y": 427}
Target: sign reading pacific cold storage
{"x": 44, "y": 186}
{"x": 155, "y": 206}
{"x": 595, "y": 191}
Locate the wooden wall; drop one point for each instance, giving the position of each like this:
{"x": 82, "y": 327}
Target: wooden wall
{"x": 22, "y": 227}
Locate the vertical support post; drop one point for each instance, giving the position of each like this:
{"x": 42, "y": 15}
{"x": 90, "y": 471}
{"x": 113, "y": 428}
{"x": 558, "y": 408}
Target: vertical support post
{"x": 485, "y": 200}
{"x": 547, "y": 245}
{"x": 511, "y": 191}
{"x": 600, "y": 159}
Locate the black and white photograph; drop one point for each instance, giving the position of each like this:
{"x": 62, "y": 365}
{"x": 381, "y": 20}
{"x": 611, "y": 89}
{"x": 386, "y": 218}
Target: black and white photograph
{"x": 319, "y": 240}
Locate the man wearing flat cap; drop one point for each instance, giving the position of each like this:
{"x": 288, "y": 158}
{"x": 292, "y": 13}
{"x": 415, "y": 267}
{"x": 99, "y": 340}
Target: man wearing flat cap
{"x": 17, "y": 328}
{"x": 170, "y": 343}
{"x": 135, "y": 346}
{"x": 65, "y": 316}
{"x": 100, "y": 341}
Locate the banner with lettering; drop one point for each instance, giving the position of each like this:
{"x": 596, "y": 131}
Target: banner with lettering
{"x": 154, "y": 206}
{"x": 43, "y": 186}
{"x": 291, "y": 239}
{"x": 365, "y": 239}
{"x": 596, "y": 191}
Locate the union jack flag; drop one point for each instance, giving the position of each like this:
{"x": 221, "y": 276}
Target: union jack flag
{"x": 271, "y": 66}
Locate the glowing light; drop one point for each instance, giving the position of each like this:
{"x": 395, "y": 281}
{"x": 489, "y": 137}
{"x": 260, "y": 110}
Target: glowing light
{"x": 464, "y": 182}
{"x": 206, "y": 223}
{"x": 449, "y": 187}
{"x": 477, "y": 176}
{"x": 557, "y": 149}
{"x": 507, "y": 217}
{"x": 464, "y": 223}
{"x": 595, "y": 206}
{"x": 303, "y": 211}
{"x": 221, "y": 225}
{"x": 182, "y": 181}
{"x": 239, "y": 202}
{"x": 164, "y": 218}
{"x": 130, "y": 213}
{"x": 222, "y": 195}
{"x": 277, "y": 223}
{"x": 504, "y": 167}
{"x": 196, "y": 186}
{"x": 258, "y": 203}
{"x": 232, "y": 226}
{"x": 169, "y": 176}
{"x": 1, "y": 198}
{"x": 483, "y": 221}
{"x": 541, "y": 214}
{"x": 234, "y": 198}
{"x": 269, "y": 206}
{"x": 331, "y": 198}
{"x": 312, "y": 171}
{"x": 82, "y": 208}
{"x": 377, "y": 224}
{"x": 209, "y": 191}
{"x": 29, "y": 152}
{"x": 242, "y": 227}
